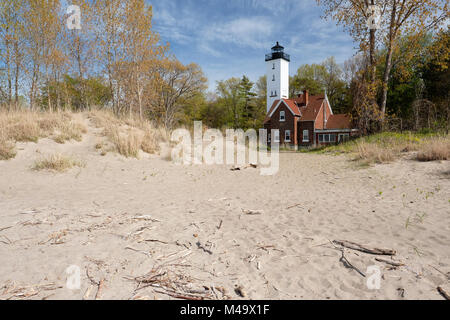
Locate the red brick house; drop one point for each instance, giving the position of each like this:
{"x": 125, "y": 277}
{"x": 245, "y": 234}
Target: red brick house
{"x": 307, "y": 121}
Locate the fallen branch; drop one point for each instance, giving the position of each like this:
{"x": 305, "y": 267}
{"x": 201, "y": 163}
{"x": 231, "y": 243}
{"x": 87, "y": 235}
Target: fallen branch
{"x": 154, "y": 240}
{"x": 348, "y": 264}
{"x": 293, "y": 206}
{"x": 392, "y": 263}
{"x": 358, "y": 247}
{"x": 443, "y": 293}
{"x": 99, "y": 285}
{"x": 99, "y": 289}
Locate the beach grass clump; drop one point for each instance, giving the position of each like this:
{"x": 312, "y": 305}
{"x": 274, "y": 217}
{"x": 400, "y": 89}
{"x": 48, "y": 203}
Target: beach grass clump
{"x": 437, "y": 148}
{"x": 129, "y": 135}
{"x": 70, "y": 131}
{"x": 57, "y": 162}
{"x": 127, "y": 143}
{"x": 7, "y": 148}
{"x": 389, "y": 146}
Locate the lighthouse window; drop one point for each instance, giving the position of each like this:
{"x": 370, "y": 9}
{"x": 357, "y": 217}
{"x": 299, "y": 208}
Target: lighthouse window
{"x": 273, "y": 78}
{"x": 273, "y": 66}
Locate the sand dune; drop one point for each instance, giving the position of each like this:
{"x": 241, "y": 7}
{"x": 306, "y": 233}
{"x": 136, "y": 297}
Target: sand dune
{"x": 120, "y": 218}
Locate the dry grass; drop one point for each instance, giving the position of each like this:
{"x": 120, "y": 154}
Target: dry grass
{"x": 27, "y": 126}
{"x": 390, "y": 146}
{"x": 57, "y": 162}
{"x": 127, "y": 144}
{"x": 373, "y": 153}
{"x": 70, "y": 130}
{"x": 129, "y": 135}
{"x": 435, "y": 149}
{"x": 7, "y": 148}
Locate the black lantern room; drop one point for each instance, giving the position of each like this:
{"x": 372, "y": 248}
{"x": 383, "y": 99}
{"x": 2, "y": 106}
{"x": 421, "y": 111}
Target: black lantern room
{"x": 278, "y": 53}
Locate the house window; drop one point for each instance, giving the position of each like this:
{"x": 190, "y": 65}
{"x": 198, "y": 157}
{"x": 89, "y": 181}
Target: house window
{"x": 276, "y": 136}
{"x": 287, "y": 136}
{"x": 343, "y": 137}
{"x": 282, "y": 116}
{"x": 305, "y": 135}
{"x": 327, "y": 138}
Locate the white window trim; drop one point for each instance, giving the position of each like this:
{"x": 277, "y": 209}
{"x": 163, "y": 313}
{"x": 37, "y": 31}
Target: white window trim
{"x": 305, "y": 140}
{"x": 276, "y": 137}
{"x": 285, "y": 136}
{"x": 328, "y": 135}
{"x": 282, "y": 119}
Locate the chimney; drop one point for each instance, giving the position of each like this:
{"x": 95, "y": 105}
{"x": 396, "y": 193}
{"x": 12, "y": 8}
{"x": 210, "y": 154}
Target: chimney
{"x": 306, "y": 99}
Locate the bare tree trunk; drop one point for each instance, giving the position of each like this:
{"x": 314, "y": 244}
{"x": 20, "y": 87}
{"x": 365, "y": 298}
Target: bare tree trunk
{"x": 8, "y": 66}
{"x": 33, "y": 86}
{"x": 387, "y": 71}
{"x": 17, "y": 74}
{"x": 373, "y": 65}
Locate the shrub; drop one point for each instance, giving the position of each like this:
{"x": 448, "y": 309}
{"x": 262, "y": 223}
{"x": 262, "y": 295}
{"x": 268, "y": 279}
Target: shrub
{"x": 57, "y": 162}
{"x": 127, "y": 144}
{"x": 435, "y": 149}
{"x": 7, "y": 148}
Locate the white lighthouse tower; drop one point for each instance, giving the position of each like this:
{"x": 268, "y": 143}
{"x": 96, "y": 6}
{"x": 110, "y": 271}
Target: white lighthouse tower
{"x": 277, "y": 75}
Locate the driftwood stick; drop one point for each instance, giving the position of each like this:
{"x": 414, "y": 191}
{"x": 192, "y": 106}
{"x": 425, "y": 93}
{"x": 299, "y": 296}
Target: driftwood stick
{"x": 180, "y": 296}
{"x": 392, "y": 263}
{"x": 348, "y": 264}
{"x": 294, "y": 206}
{"x": 99, "y": 289}
{"x": 358, "y": 247}
{"x": 443, "y": 293}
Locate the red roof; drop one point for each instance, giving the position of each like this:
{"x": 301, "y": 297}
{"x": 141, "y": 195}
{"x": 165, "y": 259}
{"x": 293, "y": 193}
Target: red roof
{"x": 310, "y": 111}
{"x": 339, "y": 121}
{"x": 298, "y": 108}
{"x": 289, "y": 103}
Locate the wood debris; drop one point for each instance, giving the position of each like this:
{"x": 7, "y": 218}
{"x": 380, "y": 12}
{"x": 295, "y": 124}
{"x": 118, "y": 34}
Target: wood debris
{"x": 443, "y": 293}
{"x": 252, "y": 212}
{"x": 176, "y": 285}
{"x": 392, "y": 263}
{"x": 358, "y": 247}
{"x": 240, "y": 291}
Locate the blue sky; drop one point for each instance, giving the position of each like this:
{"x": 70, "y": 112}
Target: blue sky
{"x": 228, "y": 38}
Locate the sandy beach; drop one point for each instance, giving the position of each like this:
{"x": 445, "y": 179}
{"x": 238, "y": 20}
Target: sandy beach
{"x": 122, "y": 221}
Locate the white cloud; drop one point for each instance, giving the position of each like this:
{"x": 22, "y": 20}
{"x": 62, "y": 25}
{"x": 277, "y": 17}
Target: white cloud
{"x": 248, "y": 32}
